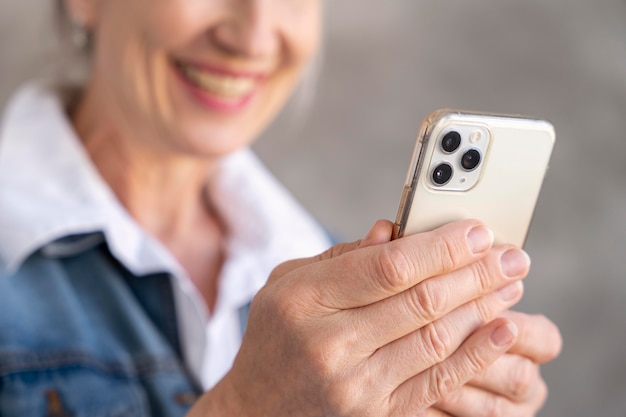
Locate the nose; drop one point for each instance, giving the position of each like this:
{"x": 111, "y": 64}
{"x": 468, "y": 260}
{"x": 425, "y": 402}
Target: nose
{"x": 250, "y": 29}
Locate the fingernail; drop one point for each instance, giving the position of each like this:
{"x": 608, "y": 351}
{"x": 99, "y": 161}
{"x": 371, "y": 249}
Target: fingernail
{"x": 514, "y": 262}
{"x": 510, "y": 292}
{"x": 480, "y": 239}
{"x": 504, "y": 335}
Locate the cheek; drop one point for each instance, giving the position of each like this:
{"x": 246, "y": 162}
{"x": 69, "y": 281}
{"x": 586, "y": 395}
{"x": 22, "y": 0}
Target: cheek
{"x": 300, "y": 30}
{"x": 132, "y": 40}
{"x": 135, "y": 31}
{"x": 303, "y": 30}
{"x": 174, "y": 24}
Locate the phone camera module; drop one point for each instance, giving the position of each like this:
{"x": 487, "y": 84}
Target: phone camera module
{"x": 470, "y": 160}
{"x": 451, "y": 142}
{"x": 442, "y": 174}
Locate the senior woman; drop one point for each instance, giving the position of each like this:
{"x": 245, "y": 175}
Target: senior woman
{"x": 136, "y": 227}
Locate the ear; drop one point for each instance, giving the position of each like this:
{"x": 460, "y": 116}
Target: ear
{"x": 82, "y": 12}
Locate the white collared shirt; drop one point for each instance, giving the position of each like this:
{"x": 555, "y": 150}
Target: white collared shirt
{"x": 50, "y": 189}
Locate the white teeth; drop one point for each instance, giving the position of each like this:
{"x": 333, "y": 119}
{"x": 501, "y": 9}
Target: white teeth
{"x": 221, "y": 85}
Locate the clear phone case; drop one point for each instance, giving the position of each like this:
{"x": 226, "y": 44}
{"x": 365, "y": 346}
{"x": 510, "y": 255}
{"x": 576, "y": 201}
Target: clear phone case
{"x": 494, "y": 174}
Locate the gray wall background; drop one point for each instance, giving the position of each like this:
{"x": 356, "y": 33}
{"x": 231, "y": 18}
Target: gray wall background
{"x": 387, "y": 65}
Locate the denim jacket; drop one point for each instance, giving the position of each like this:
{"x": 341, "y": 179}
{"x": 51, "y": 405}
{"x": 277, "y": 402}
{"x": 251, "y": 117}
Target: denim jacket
{"x": 82, "y": 336}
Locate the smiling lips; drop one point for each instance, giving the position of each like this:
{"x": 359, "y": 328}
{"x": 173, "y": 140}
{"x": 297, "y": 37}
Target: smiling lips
{"x": 219, "y": 85}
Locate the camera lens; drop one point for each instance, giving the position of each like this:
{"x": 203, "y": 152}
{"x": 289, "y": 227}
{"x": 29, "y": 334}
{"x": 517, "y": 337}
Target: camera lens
{"x": 451, "y": 142}
{"x": 442, "y": 174}
{"x": 470, "y": 159}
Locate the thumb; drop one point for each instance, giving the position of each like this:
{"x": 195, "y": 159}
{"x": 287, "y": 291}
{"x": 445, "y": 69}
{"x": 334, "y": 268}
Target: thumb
{"x": 379, "y": 233}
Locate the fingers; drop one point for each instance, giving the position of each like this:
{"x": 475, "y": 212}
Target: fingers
{"x": 430, "y": 300}
{"x": 514, "y": 377}
{"x": 470, "y": 401}
{"x": 480, "y": 350}
{"x": 436, "y": 341}
{"x": 512, "y": 385}
{"x": 539, "y": 339}
{"x": 380, "y": 233}
{"x": 361, "y": 277}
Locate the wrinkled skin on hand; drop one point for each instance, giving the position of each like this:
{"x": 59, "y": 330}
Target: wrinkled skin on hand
{"x": 416, "y": 326}
{"x": 512, "y": 386}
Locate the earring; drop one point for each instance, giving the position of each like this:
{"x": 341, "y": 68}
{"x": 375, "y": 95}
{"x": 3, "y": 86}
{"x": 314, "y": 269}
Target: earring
{"x": 80, "y": 38}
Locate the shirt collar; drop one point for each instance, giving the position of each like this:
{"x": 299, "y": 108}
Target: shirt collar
{"x": 266, "y": 225}
{"x": 49, "y": 189}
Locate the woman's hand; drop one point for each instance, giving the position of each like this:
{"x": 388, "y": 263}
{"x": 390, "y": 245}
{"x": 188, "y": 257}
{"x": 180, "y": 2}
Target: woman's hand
{"x": 512, "y": 386}
{"x": 375, "y": 328}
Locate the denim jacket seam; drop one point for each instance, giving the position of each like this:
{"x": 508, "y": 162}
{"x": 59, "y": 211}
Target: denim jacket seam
{"x": 140, "y": 366}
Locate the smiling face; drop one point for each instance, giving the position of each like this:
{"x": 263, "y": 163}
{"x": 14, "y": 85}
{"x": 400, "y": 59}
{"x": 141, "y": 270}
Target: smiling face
{"x": 202, "y": 77}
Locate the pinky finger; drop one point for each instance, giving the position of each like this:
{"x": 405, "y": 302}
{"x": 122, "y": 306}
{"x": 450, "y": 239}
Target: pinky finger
{"x": 479, "y": 351}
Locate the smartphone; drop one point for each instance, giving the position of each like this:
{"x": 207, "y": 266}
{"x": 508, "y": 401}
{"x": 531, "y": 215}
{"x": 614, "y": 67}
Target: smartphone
{"x": 475, "y": 165}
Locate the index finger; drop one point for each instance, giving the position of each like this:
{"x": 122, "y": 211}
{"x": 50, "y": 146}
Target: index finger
{"x": 367, "y": 275}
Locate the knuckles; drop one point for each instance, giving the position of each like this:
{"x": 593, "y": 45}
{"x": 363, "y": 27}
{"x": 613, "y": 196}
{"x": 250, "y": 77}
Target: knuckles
{"x": 495, "y": 406}
{"x": 443, "y": 252}
{"x": 329, "y": 355}
{"x": 524, "y": 377}
{"x": 323, "y": 344}
{"x": 441, "y": 383}
{"x": 426, "y": 301}
{"x": 393, "y": 269}
{"x": 449, "y": 253}
{"x": 437, "y": 341}
{"x": 344, "y": 399}
{"x": 484, "y": 272}
{"x": 278, "y": 302}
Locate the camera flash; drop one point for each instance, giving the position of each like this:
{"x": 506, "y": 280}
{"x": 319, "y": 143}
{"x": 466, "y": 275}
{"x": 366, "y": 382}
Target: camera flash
{"x": 475, "y": 136}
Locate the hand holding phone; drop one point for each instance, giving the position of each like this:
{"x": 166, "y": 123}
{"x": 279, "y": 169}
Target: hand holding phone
{"x": 474, "y": 165}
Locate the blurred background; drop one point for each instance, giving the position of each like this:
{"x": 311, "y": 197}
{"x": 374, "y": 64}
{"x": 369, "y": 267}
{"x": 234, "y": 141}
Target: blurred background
{"x": 385, "y": 66}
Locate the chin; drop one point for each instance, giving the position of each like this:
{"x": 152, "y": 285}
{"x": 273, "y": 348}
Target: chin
{"x": 209, "y": 144}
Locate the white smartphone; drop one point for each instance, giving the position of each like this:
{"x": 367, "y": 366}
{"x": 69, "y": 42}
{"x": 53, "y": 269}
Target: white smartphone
{"x": 474, "y": 165}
